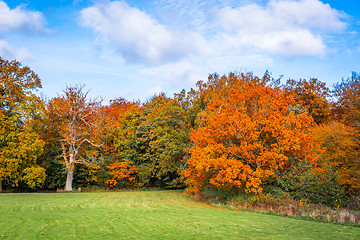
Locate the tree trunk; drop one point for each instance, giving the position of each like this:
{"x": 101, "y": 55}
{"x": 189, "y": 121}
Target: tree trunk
{"x": 0, "y": 186}
{"x": 69, "y": 180}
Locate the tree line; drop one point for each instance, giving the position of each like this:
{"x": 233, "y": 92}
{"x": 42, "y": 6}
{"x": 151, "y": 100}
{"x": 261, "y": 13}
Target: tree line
{"x": 235, "y": 133}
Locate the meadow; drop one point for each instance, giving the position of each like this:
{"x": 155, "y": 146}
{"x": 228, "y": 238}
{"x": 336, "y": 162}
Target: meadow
{"x": 146, "y": 215}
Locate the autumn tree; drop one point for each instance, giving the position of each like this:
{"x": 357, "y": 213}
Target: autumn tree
{"x": 20, "y": 145}
{"x": 120, "y": 119}
{"x": 342, "y": 153}
{"x": 347, "y": 94}
{"x": 310, "y": 96}
{"x": 76, "y": 121}
{"x": 248, "y": 137}
{"x": 218, "y": 87}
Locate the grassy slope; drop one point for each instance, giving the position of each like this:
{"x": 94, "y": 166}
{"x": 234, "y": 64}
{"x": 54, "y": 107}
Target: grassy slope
{"x": 146, "y": 215}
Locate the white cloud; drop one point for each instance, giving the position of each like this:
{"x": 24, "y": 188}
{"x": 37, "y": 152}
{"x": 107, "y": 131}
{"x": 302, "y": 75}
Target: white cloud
{"x": 179, "y": 72}
{"x": 309, "y": 13}
{"x": 7, "y": 52}
{"x": 284, "y": 27}
{"x": 20, "y": 18}
{"x": 138, "y": 37}
{"x": 249, "y": 35}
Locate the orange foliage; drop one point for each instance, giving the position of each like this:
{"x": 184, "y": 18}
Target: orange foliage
{"x": 311, "y": 97}
{"x": 124, "y": 171}
{"x": 114, "y": 116}
{"x": 341, "y": 153}
{"x": 248, "y": 138}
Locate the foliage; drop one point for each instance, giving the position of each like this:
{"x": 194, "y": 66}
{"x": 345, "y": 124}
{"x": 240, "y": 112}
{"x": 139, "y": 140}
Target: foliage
{"x": 124, "y": 172}
{"x": 341, "y": 153}
{"x": 34, "y": 176}
{"x": 155, "y": 137}
{"x": 120, "y": 119}
{"x": 90, "y": 173}
{"x": 20, "y": 149}
{"x": 218, "y": 87}
{"x": 303, "y": 182}
{"x": 347, "y": 105}
{"x": 247, "y": 138}
{"x": 192, "y": 104}
{"x": 120, "y": 133}
{"x": 165, "y": 130}
{"x": 311, "y": 96}
{"x": 20, "y": 145}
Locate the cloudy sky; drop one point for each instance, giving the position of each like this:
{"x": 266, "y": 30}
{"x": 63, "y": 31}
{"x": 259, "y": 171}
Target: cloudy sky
{"x": 135, "y": 48}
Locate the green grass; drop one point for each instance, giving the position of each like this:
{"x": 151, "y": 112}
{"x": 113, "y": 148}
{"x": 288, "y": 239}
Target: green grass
{"x": 146, "y": 215}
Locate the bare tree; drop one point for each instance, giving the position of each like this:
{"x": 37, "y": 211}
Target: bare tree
{"x": 75, "y": 121}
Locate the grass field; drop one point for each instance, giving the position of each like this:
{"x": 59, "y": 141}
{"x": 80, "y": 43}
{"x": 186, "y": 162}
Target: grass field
{"x": 146, "y": 215}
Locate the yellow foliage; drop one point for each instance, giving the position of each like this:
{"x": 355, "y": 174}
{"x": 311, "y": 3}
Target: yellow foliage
{"x": 34, "y": 176}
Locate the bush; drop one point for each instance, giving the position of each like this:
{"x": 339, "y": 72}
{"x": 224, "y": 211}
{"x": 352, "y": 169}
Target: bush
{"x": 318, "y": 186}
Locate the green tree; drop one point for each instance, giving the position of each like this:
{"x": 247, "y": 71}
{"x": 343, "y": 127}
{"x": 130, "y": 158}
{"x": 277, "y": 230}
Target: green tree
{"x": 154, "y": 137}
{"x": 166, "y": 128}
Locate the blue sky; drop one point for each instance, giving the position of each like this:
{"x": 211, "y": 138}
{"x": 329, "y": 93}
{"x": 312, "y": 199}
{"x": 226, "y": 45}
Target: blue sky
{"x": 136, "y": 48}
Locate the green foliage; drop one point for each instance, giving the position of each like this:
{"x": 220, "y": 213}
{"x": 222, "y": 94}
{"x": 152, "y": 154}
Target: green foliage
{"x": 167, "y": 129}
{"x": 303, "y": 182}
{"x": 155, "y": 138}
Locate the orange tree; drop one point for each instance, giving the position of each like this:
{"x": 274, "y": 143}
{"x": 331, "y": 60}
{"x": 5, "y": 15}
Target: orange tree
{"x": 248, "y": 137}
{"x": 341, "y": 153}
{"x": 311, "y": 97}
{"x": 20, "y": 145}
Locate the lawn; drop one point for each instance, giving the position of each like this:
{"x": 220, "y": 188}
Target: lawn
{"x": 146, "y": 215}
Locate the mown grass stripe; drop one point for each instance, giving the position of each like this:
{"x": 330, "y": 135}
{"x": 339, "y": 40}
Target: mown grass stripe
{"x": 146, "y": 215}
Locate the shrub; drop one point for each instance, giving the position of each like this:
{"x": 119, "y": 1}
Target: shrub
{"x": 303, "y": 182}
